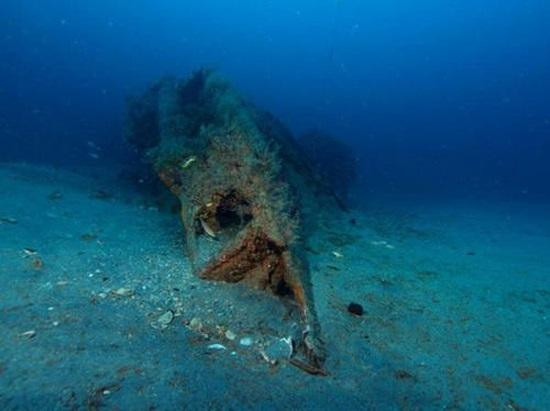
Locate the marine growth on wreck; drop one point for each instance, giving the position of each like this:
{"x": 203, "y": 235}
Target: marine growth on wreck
{"x": 242, "y": 182}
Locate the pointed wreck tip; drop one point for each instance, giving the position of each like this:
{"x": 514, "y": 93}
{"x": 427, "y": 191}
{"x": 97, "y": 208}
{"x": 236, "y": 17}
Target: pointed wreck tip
{"x": 309, "y": 368}
{"x": 207, "y": 229}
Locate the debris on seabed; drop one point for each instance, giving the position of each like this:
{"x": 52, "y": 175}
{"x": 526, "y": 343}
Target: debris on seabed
{"x": 28, "y": 334}
{"x": 403, "y": 374}
{"x": 337, "y": 254}
{"x": 88, "y": 237}
{"x": 36, "y": 261}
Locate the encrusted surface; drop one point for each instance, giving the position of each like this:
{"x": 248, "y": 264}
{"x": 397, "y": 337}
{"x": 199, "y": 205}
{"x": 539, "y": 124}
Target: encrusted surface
{"x": 235, "y": 171}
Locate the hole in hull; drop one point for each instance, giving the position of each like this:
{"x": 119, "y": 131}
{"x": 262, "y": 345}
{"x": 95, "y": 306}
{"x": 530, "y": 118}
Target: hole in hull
{"x": 233, "y": 210}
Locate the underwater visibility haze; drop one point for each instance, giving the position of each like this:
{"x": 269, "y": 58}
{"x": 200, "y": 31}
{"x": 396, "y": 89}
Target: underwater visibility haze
{"x": 334, "y": 204}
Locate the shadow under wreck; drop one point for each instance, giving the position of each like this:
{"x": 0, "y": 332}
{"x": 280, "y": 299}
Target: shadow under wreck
{"x": 236, "y": 171}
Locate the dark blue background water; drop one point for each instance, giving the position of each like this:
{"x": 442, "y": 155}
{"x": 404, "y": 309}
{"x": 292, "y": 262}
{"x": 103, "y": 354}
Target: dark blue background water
{"x": 437, "y": 96}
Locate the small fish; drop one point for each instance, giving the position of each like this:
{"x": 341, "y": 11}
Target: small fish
{"x": 29, "y": 251}
{"x": 188, "y": 162}
{"x": 95, "y": 156}
{"x": 7, "y": 220}
{"x": 101, "y": 195}
{"x": 55, "y": 195}
{"x": 337, "y": 254}
{"x": 207, "y": 229}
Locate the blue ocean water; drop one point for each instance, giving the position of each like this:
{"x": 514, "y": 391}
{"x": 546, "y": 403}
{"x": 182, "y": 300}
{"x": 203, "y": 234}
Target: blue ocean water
{"x": 446, "y": 108}
{"x": 434, "y": 96}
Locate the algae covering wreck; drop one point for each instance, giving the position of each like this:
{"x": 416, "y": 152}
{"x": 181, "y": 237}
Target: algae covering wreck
{"x": 247, "y": 196}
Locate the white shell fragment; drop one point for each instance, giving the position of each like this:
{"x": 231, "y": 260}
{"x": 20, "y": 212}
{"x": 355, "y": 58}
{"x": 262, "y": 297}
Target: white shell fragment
{"x": 123, "y": 292}
{"x": 166, "y": 318}
{"x": 195, "y": 324}
{"x": 246, "y": 341}
{"x": 207, "y": 229}
{"x": 217, "y": 347}
{"x": 28, "y": 334}
{"x": 279, "y": 349}
{"x": 230, "y": 335}
{"x": 27, "y": 251}
{"x": 163, "y": 321}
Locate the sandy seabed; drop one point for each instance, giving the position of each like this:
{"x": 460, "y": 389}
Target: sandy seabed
{"x": 98, "y": 308}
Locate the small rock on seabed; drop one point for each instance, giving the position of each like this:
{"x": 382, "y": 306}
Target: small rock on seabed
{"x": 355, "y": 308}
